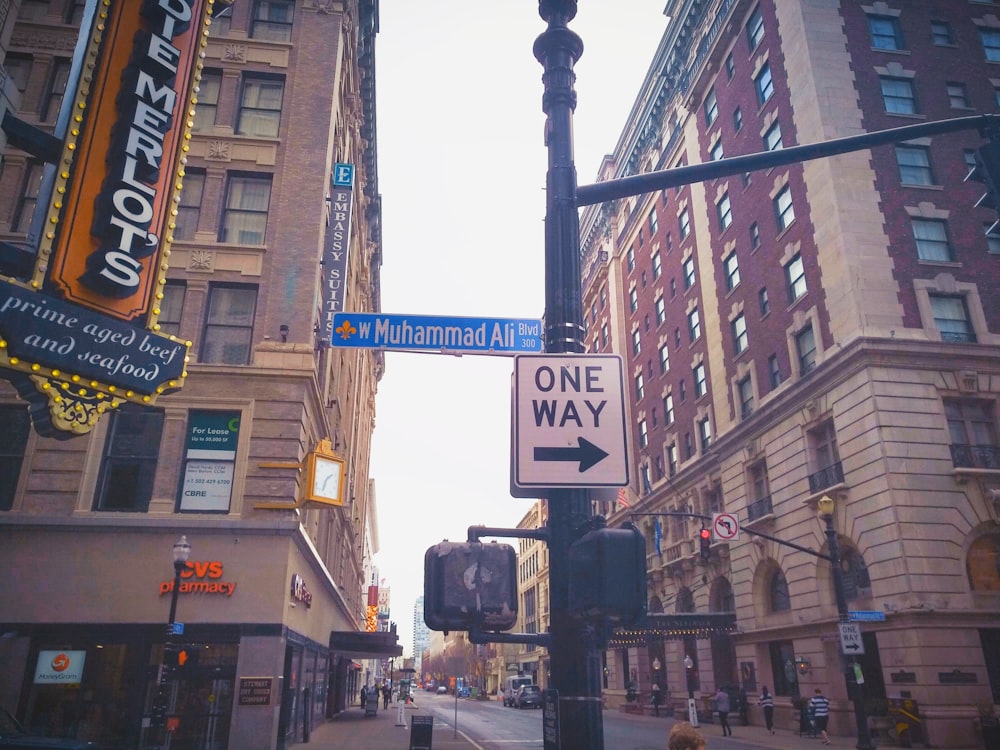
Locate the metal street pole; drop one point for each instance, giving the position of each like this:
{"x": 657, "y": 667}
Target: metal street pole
{"x": 181, "y": 552}
{"x": 825, "y": 507}
{"x": 574, "y": 656}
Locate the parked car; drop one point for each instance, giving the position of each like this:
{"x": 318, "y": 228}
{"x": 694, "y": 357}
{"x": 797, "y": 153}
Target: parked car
{"x": 510, "y": 688}
{"x": 442, "y": 689}
{"x": 528, "y": 696}
{"x": 13, "y": 736}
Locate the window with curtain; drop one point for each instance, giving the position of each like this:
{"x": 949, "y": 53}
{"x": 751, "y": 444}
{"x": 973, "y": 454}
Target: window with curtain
{"x": 189, "y": 206}
{"x": 931, "y": 236}
{"x": 778, "y": 597}
{"x": 260, "y": 107}
{"x": 244, "y": 218}
{"x": 898, "y": 96}
{"x": 914, "y": 165}
{"x": 206, "y": 109}
{"x": 25, "y": 209}
{"x": 951, "y": 316}
{"x": 272, "y": 20}
{"x": 55, "y": 90}
{"x": 228, "y": 334}
{"x": 171, "y": 307}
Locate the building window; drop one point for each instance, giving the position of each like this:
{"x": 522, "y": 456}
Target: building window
{"x": 973, "y": 432}
{"x": 654, "y": 223}
{"x": 55, "y": 90}
{"x": 991, "y": 44}
{"x": 684, "y": 224}
{"x": 731, "y": 266}
{"x": 636, "y": 342}
{"x": 682, "y": 391}
{"x": 958, "y": 96}
{"x": 754, "y": 236}
{"x": 640, "y": 387}
{"x": 983, "y": 565}
{"x": 13, "y": 438}
{"x": 779, "y": 598}
{"x": 664, "y": 359}
{"x": 33, "y": 10}
{"x": 711, "y": 107}
{"x": 783, "y": 209}
{"x": 992, "y": 238}
{"x": 74, "y": 12}
{"x": 18, "y": 69}
{"x": 805, "y": 347}
{"x": 760, "y": 492}
{"x": 941, "y": 33}
{"x": 741, "y": 339}
{"x": 189, "y": 206}
{"x": 744, "y": 391}
{"x": 668, "y": 409}
{"x": 755, "y": 29}
{"x": 604, "y": 297}
{"x": 229, "y": 326}
{"x": 724, "y": 210}
{"x": 914, "y": 165}
{"x": 857, "y": 582}
{"x": 825, "y": 457}
{"x": 172, "y": 307}
{"x": 704, "y": 434}
{"x": 763, "y": 84}
{"x": 272, "y": 20}
{"x": 605, "y": 337}
{"x": 260, "y": 107}
{"x": 661, "y": 311}
{"x": 730, "y": 66}
{"x": 630, "y": 259}
{"x": 633, "y": 299}
{"x": 885, "y": 32}
{"x": 737, "y": 120}
{"x": 673, "y": 288}
{"x": 951, "y": 316}
{"x": 593, "y": 312}
{"x": 795, "y": 278}
{"x": 28, "y": 199}
{"x": 672, "y": 459}
{"x": 208, "y": 98}
{"x": 694, "y": 325}
{"x": 128, "y": 465}
{"x": 763, "y": 302}
{"x": 657, "y": 266}
{"x": 772, "y": 138}
{"x": 643, "y": 434}
{"x": 688, "y": 446}
{"x": 715, "y": 153}
{"x": 244, "y": 219}
{"x": 774, "y": 371}
{"x": 689, "y": 276}
{"x": 931, "y": 236}
{"x": 898, "y": 96}
{"x": 700, "y": 384}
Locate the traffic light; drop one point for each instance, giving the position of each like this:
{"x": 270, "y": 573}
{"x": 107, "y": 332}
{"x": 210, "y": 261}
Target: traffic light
{"x": 987, "y": 171}
{"x": 705, "y": 542}
{"x": 607, "y": 575}
{"x": 178, "y": 660}
{"x": 470, "y": 585}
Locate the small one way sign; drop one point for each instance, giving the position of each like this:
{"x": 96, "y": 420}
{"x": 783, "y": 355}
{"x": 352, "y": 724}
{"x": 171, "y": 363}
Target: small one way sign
{"x": 569, "y": 421}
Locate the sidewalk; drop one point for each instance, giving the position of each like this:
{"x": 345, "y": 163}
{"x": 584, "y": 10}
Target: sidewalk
{"x": 352, "y": 730}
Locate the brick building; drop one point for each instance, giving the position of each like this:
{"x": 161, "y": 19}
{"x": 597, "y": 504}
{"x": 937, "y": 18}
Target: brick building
{"x": 273, "y": 597}
{"x": 824, "y": 329}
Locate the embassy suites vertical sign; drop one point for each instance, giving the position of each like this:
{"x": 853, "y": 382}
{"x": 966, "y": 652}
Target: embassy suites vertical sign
{"x": 337, "y": 246}
{"x": 83, "y": 331}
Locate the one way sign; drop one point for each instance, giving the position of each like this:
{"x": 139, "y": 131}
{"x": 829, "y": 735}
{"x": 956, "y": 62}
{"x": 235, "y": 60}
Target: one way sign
{"x": 850, "y": 639}
{"x": 569, "y": 421}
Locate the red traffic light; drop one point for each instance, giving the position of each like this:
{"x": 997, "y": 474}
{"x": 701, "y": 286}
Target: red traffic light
{"x": 705, "y": 540}
{"x": 706, "y": 535}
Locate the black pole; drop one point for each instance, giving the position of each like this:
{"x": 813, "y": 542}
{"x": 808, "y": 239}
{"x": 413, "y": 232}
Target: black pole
{"x": 172, "y": 618}
{"x": 574, "y": 656}
{"x": 853, "y": 688}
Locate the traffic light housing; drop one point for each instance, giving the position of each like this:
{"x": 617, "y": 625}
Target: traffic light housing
{"x": 179, "y": 660}
{"x": 607, "y": 575}
{"x": 705, "y": 543}
{"x": 987, "y": 171}
{"x": 470, "y": 585}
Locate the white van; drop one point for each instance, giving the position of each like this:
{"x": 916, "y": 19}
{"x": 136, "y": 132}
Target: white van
{"x": 510, "y": 686}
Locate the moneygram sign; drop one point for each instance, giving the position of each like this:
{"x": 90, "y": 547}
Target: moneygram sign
{"x": 82, "y": 334}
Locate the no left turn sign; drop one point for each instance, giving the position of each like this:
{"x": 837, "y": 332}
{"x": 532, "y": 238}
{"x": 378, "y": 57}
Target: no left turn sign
{"x": 725, "y": 526}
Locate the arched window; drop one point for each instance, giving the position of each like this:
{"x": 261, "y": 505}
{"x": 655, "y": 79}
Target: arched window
{"x": 780, "y": 599}
{"x": 685, "y": 601}
{"x": 857, "y": 583}
{"x": 983, "y": 563}
{"x": 723, "y": 599}
{"x": 655, "y": 604}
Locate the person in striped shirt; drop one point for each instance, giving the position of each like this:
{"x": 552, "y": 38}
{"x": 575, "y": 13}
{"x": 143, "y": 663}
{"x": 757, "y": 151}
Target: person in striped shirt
{"x": 767, "y": 702}
{"x": 820, "y": 706}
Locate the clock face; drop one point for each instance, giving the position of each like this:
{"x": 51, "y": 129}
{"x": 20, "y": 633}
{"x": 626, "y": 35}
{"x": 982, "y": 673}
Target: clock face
{"x": 326, "y": 478}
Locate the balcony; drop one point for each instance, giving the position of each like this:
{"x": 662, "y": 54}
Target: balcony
{"x": 828, "y": 477}
{"x": 975, "y": 456}
{"x": 759, "y": 508}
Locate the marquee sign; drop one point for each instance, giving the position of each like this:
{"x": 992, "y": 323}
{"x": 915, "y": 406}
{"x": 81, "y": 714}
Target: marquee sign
{"x": 82, "y": 333}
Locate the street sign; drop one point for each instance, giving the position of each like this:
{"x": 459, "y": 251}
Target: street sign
{"x": 569, "y": 421}
{"x": 436, "y": 333}
{"x": 725, "y": 526}
{"x": 850, "y": 639}
{"x": 176, "y": 628}
{"x": 866, "y": 615}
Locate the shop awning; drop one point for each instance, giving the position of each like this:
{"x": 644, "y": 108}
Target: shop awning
{"x": 363, "y": 645}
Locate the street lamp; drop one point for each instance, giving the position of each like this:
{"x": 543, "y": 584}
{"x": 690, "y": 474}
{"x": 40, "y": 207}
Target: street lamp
{"x": 692, "y": 706}
{"x": 182, "y": 551}
{"x": 824, "y": 507}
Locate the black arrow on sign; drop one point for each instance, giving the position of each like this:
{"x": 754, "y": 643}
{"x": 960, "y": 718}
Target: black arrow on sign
{"x": 586, "y": 453}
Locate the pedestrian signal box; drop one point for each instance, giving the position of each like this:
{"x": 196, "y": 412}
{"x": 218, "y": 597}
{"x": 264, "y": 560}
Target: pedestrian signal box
{"x": 607, "y": 575}
{"x": 470, "y": 585}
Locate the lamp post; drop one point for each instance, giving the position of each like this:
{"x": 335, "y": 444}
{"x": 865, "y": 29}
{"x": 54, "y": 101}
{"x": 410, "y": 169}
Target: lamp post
{"x": 692, "y": 706}
{"x": 825, "y": 506}
{"x": 182, "y": 551}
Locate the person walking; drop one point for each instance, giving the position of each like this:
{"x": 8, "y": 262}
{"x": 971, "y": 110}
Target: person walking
{"x": 386, "y": 695}
{"x": 766, "y": 701}
{"x": 656, "y": 698}
{"x": 722, "y": 706}
{"x": 364, "y": 695}
{"x": 820, "y": 706}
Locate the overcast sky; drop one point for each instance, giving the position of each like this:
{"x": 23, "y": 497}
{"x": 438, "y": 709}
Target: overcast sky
{"x": 462, "y": 171}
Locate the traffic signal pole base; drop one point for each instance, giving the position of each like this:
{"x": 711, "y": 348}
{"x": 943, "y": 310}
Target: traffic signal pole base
{"x": 693, "y": 712}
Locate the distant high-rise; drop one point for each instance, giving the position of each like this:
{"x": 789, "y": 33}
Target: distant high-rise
{"x": 421, "y": 635}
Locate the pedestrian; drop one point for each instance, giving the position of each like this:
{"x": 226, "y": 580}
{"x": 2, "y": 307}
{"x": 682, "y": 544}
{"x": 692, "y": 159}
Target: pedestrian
{"x": 386, "y": 695}
{"x": 820, "y": 706}
{"x": 767, "y": 702}
{"x": 683, "y": 736}
{"x": 364, "y": 695}
{"x": 722, "y": 706}
{"x": 657, "y": 695}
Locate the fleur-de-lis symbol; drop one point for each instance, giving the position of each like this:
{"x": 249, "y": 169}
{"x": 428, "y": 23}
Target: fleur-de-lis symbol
{"x": 346, "y": 330}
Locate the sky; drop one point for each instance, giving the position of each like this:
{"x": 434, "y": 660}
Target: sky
{"x": 462, "y": 167}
